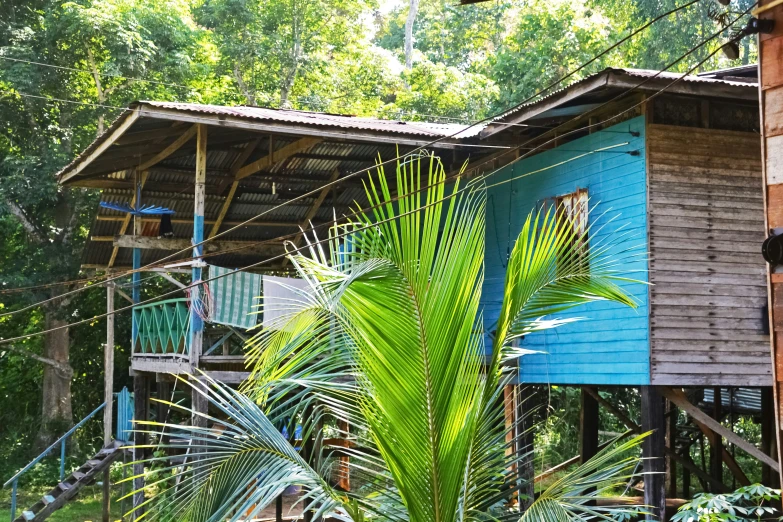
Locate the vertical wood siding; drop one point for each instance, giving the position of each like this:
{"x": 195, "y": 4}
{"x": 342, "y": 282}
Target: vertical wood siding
{"x": 709, "y": 283}
{"x": 610, "y": 346}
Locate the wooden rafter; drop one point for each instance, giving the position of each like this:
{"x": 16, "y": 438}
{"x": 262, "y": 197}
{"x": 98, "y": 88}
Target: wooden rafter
{"x": 127, "y": 219}
{"x": 189, "y": 221}
{"x": 103, "y": 146}
{"x": 143, "y": 168}
{"x": 161, "y": 243}
{"x": 241, "y": 171}
{"x": 170, "y": 149}
{"x": 240, "y": 161}
{"x": 280, "y": 154}
{"x": 313, "y": 210}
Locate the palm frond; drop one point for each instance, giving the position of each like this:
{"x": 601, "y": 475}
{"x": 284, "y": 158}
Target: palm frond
{"x": 552, "y": 269}
{"x": 235, "y": 467}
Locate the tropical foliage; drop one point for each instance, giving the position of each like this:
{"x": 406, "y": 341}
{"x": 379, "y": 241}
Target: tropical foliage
{"x": 68, "y": 67}
{"x": 747, "y": 503}
{"x": 386, "y": 349}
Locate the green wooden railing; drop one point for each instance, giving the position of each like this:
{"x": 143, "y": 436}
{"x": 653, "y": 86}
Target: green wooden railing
{"x": 161, "y": 328}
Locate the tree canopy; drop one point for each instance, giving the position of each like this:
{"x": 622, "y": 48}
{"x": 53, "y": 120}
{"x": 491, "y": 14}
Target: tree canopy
{"x": 68, "y": 67}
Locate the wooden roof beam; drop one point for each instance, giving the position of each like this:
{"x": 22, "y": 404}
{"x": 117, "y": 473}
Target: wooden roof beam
{"x": 114, "y": 135}
{"x": 216, "y": 246}
{"x": 241, "y": 171}
{"x": 237, "y": 165}
{"x": 313, "y": 210}
{"x": 280, "y": 154}
{"x": 132, "y": 138}
{"x": 186, "y": 221}
{"x": 127, "y": 218}
{"x": 172, "y": 147}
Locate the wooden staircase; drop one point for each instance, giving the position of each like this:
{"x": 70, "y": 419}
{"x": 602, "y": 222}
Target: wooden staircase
{"x": 72, "y": 484}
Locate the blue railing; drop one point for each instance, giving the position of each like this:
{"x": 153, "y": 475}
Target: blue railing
{"x": 123, "y": 431}
{"x": 61, "y": 442}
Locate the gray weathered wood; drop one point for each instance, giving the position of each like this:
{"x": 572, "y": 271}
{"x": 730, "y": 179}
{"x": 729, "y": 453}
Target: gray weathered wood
{"x": 679, "y": 398}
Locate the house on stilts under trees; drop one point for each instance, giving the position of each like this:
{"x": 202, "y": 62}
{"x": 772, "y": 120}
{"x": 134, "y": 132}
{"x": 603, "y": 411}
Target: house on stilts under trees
{"x": 676, "y": 171}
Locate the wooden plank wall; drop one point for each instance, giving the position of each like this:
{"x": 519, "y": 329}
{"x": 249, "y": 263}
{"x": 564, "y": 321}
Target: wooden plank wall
{"x": 709, "y": 279}
{"x": 610, "y": 345}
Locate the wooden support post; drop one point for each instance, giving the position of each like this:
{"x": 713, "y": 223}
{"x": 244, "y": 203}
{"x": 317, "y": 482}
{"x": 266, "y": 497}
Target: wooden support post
{"x": 137, "y": 231}
{"x": 686, "y": 482}
{"x": 108, "y": 393}
{"x": 308, "y": 450}
{"x": 163, "y": 410}
{"x": 771, "y": 101}
{"x": 196, "y": 322}
{"x": 588, "y": 427}
{"x": 671, "y": 443}
{"x": 279, "y": 508}
{"x": 716, "y": 441}
{"x": 679, "y": 398}
{"x": 518, "y": 403}
{"x": 200, "y": 403}
{"x": 141, "y": 393}
{"x": 523, "y": 446}
{"x": 653, "y": 449}
{"x": 767, "y": 432}
{"x": 343, "y": 469}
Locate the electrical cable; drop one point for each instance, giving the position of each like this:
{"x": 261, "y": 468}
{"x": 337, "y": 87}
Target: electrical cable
{"x": 469, "y": 186}
{"x": 420, "y": 148}
{"x": 338, "y": 236}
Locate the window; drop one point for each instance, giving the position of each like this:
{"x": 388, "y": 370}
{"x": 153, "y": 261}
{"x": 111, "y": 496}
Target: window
{"x": 572, "y": 212}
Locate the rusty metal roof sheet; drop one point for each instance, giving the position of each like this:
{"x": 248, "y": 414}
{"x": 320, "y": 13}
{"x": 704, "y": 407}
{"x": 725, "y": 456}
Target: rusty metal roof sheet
{"x": 321, "y": 119}
{"x": 633, "y": 73}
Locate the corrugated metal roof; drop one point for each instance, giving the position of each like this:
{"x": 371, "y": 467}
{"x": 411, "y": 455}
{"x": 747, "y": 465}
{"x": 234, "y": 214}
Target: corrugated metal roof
{"x": 635, "y": 73}
{"x": 321, "y": 119}
{"x": 745, "y": 399}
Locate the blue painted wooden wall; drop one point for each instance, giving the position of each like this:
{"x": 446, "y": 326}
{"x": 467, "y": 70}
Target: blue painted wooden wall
{"x": 611, "y": 345}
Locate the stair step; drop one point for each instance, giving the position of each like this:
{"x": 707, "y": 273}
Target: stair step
{"x": 93, "y": 462}
{"x": 48, "y": 499}
{"x": 28, "y": 515}
{"x": 64, "y": 486}
{"x": 78, "y": 475}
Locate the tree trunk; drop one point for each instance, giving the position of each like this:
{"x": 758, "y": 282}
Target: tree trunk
{"x": 296, "y": 54}
{"x": 412, "y": 11}
{"x": 56, "y": 414}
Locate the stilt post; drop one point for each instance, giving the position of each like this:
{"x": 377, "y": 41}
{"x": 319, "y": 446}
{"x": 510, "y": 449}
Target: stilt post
{"x": 141, "y": 393}
{"x": 196, "y": 322}
{"x": 108, "y": 394}
{"x": 671, "y": 438}
{"x": 588, "y": 427}
{"x": 767, "y": 432}
{"x": 716, "y": 441}
{"x": 653, "y": 448}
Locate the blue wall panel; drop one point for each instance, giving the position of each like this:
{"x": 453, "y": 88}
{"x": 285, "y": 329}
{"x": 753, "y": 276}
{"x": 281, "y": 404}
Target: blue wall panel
{"x": 611, "y": 344}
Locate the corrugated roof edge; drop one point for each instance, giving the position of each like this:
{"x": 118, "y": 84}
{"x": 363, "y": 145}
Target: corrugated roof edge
{"x": 424, "y": 129}
{"x": 638, "y": 73}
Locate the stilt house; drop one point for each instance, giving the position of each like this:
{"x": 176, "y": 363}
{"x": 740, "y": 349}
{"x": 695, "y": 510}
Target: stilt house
{"x": 671, "y": 166}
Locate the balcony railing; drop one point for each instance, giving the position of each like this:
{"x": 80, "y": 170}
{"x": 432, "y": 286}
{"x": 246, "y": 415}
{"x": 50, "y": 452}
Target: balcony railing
{"x": 161, "y": 328}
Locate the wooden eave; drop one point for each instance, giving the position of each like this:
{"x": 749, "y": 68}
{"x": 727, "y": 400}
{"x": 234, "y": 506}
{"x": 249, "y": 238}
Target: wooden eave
{"x": 613, "y": 82}
{"x": 124, "y": 147}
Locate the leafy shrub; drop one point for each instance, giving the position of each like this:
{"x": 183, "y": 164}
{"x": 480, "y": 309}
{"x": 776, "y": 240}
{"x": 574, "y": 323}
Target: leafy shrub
{"x": 747, "y": 503}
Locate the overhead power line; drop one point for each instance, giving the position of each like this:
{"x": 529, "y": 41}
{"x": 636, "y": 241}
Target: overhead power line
{"x": 542, "y": 91}
{"x": 293, "y": 250}
{"x": 337, "y": 236}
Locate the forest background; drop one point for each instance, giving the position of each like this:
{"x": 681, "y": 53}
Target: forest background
{"x": 66, "y": 69}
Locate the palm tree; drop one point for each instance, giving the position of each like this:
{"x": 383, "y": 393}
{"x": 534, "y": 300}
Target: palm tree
{"x": 385, "y": 363}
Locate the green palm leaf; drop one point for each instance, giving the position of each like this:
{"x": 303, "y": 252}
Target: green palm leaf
{"x": 388, "y": 340}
